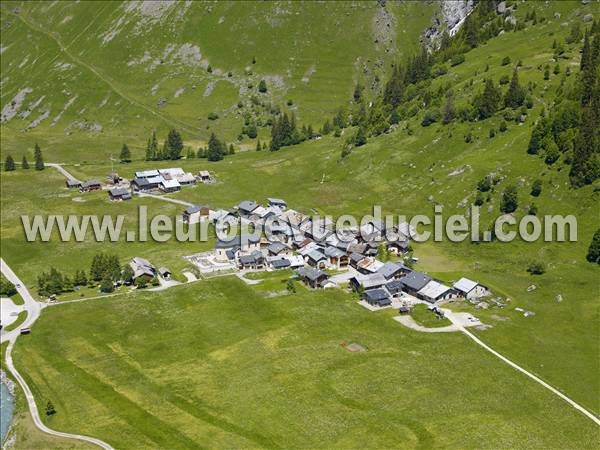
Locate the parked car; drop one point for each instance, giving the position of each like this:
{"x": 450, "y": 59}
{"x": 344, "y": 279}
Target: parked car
{"x": 25, "y": 331}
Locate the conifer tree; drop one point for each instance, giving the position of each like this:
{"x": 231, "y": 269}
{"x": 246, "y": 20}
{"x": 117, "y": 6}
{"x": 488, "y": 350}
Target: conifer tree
{"x": 39, "y": 160}
{"x": 515, "y": 96}
{"x": 9, "y": 164}
{"x": 24, "y": 163}
{"x": 125, "y": 155}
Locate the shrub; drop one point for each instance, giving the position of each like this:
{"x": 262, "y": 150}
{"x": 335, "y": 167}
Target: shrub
{"x": 503, "y": 127}
{"x": 213, "y": 116}
{"x": 457, "y": 59}
{"x": 536, "y": 188}
{"x": 431, "y": 116}
{"x": 509, "y": 201}
{"x": 536, "y": 268}
{"x": 504, "y": 79}
{"x": 506, "y": 61}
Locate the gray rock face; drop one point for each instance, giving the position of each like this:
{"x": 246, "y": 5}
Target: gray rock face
{"x": 501, "y": 8}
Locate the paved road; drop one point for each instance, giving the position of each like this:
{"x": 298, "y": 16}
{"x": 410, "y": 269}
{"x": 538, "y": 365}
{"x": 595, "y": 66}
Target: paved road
{"x": 62, "y": 170}
{"x": 33, "y": 309}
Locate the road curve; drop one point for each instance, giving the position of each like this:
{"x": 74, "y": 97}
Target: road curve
{"x": 33, "y": 309}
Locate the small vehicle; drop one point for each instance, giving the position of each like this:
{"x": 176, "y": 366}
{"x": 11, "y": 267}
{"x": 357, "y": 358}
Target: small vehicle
{"x": 25, "y": 331}
{"x": 18, "y": 285}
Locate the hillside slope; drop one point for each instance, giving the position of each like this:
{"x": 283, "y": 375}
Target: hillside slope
{"x": 76, "y": 70}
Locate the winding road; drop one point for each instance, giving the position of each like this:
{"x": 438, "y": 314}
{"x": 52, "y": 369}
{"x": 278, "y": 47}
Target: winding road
{"x": 62, "y": 170}
{"x": 33, "y": 309}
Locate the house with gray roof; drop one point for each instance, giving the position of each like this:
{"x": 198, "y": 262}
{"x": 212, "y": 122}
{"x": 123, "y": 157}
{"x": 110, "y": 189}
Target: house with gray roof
{"x": 377, "y": 297}
{"x": 277, "y": 203}
{"x": 117, "y": 194}
{"x": 246, "y": 207}
{"x": 414, "y": 282}
{"x": 312, "y": 277}
{"x": 391, "y": 270}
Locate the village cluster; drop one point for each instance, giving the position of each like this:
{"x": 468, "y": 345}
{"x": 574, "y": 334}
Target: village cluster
{"x": 155, "y": 180}
{"x": 321, "y": 259}
{"x": 311, "y": 247}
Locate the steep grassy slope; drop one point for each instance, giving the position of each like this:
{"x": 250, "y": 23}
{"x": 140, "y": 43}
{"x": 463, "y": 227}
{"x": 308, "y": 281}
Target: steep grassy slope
{"x": 117, "y": 70}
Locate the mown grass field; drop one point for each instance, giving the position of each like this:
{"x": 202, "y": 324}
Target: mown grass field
{"x": 223, "y": 364}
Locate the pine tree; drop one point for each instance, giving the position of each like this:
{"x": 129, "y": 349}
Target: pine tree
{"x": 39, "y": 160}
{"x": 509, "y": 200}
{"x": 357, "y": 95}
{"x": 215, "y": 149}
{"x": 394, "y": 88}
{"x": 98, "y": 267}
{"x": 106, "y": 285}
{"x": 361, "y": 137}
{"x": 125, "y": 155}
{"x": 9, "y": 164}
{"x": 593, "y": 253}
{"x": 515, "y": 96}
{"x": 449, "y": 111}
{"x": 152, "y": 148}
{"x": 127, "y": 273}
{"x": 486, "y": 103}
{"x": 24, "y": 163}
{"x": 174, "y": 145}
{"x": 262, "y": 86}
{"x": 231, "y": 149}
{"x": 258, "y": 147}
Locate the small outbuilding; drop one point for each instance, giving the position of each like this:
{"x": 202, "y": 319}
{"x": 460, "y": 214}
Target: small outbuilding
{"x": 119, "y": 194}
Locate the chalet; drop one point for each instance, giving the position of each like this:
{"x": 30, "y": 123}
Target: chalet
{"x": 172, "y": 173}
{"x": 92, "y": 185}
{"x": 398, "y": 246}
{"x": 254, "y": 260}
{"x": 276, "y": 248}
{"x": 140, "y": 184}
{"x": 434, "y": 291}
{"x": 246, "y": 207}
{"x": 117, "y": 194}
{"x": 369, "y": 265}
{"x": 73, "y": 184}
{"x": 367, "y": 282}
{"x": 393, "y": 270}
{"x": 165, "y": 273}
{"x": 377, "y": 297}
{"x": 470, "y": 289}
{"x": 357, "y": 248}
{"x": 220, "y": 214}
{"x": 262, "y": 213}
{"x": 312, "y": 277}
{"x": 414, "y": 282}
{"x": 204, "y": 176}
{"x": 316, "y": 258}
{"x": 147, "y": 174}
{"x": 196, "y": 213}
{"x": 186, "y": 179}
{"x": 169, "y": 186}
{"x": 336, "y": 257}
{"x": 246, "y": 244}
{"x": 281, "y": 263}
{"x": 394, "y": 287}
{"x": 278, "y": 229}
{"x": 355, "y": 259}
{"x": 295, "y": 261}
{"x": 277, "y": 203}
{"x": 142, "y": 268}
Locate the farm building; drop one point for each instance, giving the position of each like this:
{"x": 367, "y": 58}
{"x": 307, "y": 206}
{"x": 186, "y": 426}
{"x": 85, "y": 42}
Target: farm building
{"x": 165, "y": 273}
{"x": 434, "y": 292}
{"x": 277, "y": 203}
{"x": 92, "y": 185}
{"x": 117, "y": 194}
{"x": 73, "y": 184}
{"x": 470, "y": 289}
{"x": 247, "y": 207}
{"x": 142, "y": 268}
{"x": 169, "y": 186}
{"x": 377, "y": 297}
{"x": 204, "y": 176}
{"x": 414, "y": 282}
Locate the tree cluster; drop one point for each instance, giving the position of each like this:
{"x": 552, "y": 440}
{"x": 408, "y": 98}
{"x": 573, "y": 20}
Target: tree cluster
{"x": 171, "y": 149}
{"x": 7, "y": 289}
{"x": 284, "y": 132}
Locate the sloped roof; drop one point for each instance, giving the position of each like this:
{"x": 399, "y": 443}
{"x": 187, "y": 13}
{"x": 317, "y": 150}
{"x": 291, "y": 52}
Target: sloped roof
{"x": 168, "y": 184}
{"x": 416, "y": 280}
{"x": 465, "y": 285}
{"x": 433, "y": 290}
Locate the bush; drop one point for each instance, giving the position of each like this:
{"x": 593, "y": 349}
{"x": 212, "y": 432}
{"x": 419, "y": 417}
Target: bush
{"x": 536, "y": 268}
{"x": 533, "y": 209}
{"x": 509, "y": 201}
{"x": 492, "y": 133}
{"x": 262, "y": 86}
{"x": 457, "y": 59}
{"x": 213, "y": 116}
{"x": 479, "y": 199}
{"x": 536, "y": 188}
{"x": 503, "y": 127}
{"x": 504, "y": 79}
{"x": 485, "y": 184}
{"x": 431, "y": 116}
{"x": 7, "y": 289}
{"x": 506, "y": 61}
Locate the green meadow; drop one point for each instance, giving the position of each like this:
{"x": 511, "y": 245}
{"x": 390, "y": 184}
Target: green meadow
{"x": 222, "y": 363}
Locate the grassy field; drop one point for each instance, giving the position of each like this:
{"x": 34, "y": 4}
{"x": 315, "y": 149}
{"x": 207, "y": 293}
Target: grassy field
{"x": 195, "y": 364}
{"x": 428, "y": 319}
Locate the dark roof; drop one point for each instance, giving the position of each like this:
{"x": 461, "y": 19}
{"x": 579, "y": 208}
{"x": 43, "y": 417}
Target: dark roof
{"x": 119, "y": 192}
{"x": 416, "y": 280}
{"x": 311, "y": 274}
{"x": 73, "y": 183}
{"x": 394, "y": 286}
{"x": 280, "y": 263}
{"x": 376, "y": 295}
{"x": 164, "y": 270}
{"x": 389, "y": 269}
{"x": 356, "y": 257}
{"x": 248, "y": 205}
{"x": 247, "y": 259}
{"x": 236, "y": 241}
{"x": 141, "y": 181}
{"x": 192, "y": 209}
{"x": 91, "y": 183}
{"x": 276, "y": 201}
{"x": 276, "y": 247}
{"x": 316, "y": 255}
{"x": 333, "y": 252}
